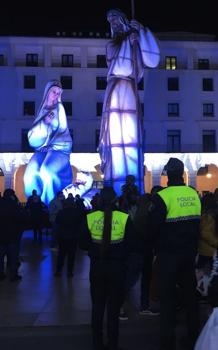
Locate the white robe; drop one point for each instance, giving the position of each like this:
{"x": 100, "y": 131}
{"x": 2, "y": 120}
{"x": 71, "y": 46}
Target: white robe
{"x": 120, "y": 144}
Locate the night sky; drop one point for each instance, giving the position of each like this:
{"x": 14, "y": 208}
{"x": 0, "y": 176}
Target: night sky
{"x": 44, "y": 18}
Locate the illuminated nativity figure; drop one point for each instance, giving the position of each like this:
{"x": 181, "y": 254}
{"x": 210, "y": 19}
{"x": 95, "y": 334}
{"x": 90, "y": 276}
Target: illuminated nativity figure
{"x": 49, "y": 169}
{"x": 131, "y": 49}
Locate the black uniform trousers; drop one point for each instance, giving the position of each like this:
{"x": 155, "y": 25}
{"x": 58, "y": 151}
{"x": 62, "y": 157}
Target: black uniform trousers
{"x": 177, "y": 269}
{"x": 107, "y": 284}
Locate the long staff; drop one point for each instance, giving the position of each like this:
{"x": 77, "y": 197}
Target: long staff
{"x": 138, "y": 111}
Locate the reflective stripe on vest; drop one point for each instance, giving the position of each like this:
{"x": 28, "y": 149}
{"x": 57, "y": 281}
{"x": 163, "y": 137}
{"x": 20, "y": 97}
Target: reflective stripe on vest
{"x": 95, "y": 222}
{"x": 182, "y": 203}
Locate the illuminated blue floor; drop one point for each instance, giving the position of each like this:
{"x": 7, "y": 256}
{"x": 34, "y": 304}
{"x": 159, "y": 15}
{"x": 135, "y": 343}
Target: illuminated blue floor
{"x": 40, "y": 298}
{"x": 44, "y": 312}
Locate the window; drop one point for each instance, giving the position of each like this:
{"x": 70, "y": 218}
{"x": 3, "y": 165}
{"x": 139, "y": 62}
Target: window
{"x": 97, "y": 135}
{"x": 29, "y": 82}
{"x": 29, "y": 108}
{"x": 25, "y": 147}
{"x": 173, "y": 109}
{"x": 68, "y": 108}
{"x": 141, "y": 84}
{"x": 208, "y": 110}
{"x": 101, "y": 61}
{"x": 32, "y": 59}
{"x": 101, "y": 83}
{"x": 203, "y": 63}
{"x": 98, "y": 184}
{"x": 99, "y": 107}
{"x": 173, "y": 141}
{"x": 209, "y": 141}
{"x": 170, "y": 62}
{"x": 207, "y": 84}
{"x": 2, "y": 60}
{"x": 173, "y": 84}
{"x": 67, "y": 60}
{"x": 66, "y": 82}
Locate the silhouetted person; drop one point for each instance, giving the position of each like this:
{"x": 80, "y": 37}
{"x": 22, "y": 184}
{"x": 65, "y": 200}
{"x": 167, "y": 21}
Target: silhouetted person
{"x": 68, "y": 221}
{"x": 12, "y": 219}
{"x": 176, "y": 219}
{"x": 107, "y": 235}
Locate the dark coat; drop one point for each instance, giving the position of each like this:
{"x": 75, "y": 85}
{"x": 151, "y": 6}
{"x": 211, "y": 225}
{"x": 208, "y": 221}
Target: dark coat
{"x": 12, "y": 220}
{"x": 68, "y": 221}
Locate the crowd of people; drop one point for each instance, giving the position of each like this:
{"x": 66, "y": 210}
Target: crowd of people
{"x": 164, "y": 239}
{"x": 159, "y": 239}
{"x": 58, "y": 219}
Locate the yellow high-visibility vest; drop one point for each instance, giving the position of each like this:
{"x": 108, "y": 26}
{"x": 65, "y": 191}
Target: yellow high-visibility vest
{"x": 95, "y": 222}
{"x": 182, "y": 203}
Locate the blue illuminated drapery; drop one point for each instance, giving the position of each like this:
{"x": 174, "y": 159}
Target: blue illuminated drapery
{"x": 49, "y": 170}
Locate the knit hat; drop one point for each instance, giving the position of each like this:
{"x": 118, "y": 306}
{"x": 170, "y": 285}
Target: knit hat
{"x": 174, "y": 166}
{"x": 107, "y": 197}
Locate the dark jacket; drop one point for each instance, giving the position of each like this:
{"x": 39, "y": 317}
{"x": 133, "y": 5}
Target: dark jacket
{"x": 68, "y": 221}
{"x": 12, "y": 220}
{"x": 179, "y": 237}
{"x": 142, "y": 224}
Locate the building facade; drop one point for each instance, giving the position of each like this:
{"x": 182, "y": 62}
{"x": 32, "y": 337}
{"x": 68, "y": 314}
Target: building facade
{"x": 179, "y": 98}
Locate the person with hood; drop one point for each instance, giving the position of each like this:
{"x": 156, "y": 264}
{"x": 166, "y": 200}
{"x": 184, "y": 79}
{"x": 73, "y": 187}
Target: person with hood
{"x": 176, "y": 219}
{"x": 49, "y": 170}
{"x": 108, "y": 236}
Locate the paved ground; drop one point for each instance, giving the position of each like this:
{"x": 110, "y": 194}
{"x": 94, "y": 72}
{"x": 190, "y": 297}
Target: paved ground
{"x": 44, "y": 312}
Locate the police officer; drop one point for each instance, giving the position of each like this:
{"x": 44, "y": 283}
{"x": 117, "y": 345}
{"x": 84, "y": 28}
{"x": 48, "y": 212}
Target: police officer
{"x": 176, "y": 221}
{"x": 107, "y": 235}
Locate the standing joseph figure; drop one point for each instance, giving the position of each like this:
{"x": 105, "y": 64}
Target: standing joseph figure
{"x": 131, "y": 49}
{"x": 49, "y": 170}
